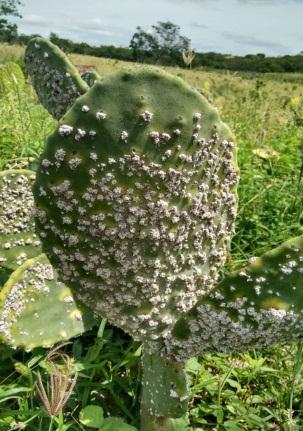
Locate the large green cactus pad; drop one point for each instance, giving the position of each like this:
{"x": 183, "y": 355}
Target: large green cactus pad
{"x": 136, "y": 200}
{"x": 56, "y": 81}
{"x": 37, "y": 310}
{"x": 16, "y": 248}
{"x": 11, "y": 78}
{"x": 258, "y": 306}
{"x": 16, "y": 201}
{"x": 90, "y": 77}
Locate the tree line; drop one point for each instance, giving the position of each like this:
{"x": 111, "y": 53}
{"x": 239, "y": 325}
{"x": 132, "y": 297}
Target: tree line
{"x": 162, "y": 45}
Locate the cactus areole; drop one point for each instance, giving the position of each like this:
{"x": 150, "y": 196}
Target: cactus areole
{"x": 135, "y": 199}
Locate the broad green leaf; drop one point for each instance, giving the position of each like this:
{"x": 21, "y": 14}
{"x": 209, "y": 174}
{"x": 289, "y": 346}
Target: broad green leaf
{"x": 92, "y": 416}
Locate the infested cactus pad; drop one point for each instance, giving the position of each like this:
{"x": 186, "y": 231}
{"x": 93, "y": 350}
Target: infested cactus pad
{"x": 90, "y": 77}
{"x": 255, "y": 307}
{"x": 16, "y": 201}
{"x": 37, "y": 310}
{"x": 56, "y": 81}
{"x": 18, "y": 241}
{"x": 16, "y": 248}
{"x": 136, "y": 199}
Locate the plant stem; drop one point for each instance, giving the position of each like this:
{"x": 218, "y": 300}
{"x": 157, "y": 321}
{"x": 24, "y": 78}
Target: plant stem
{"x": 154, "y": 423}
{"x": 164, "y": 392}
{"x": 296, "y": 372}
{"x": 51, "y": 423}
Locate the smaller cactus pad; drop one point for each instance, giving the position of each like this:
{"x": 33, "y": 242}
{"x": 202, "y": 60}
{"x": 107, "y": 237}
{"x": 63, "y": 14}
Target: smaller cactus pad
{"x": 18, "y": 247}
{"x": 56, "y": 81}
{"x": 11, "y": 78}
{"x": 258, "y": 306}
{"x": 37, "y": 310}
{"x": 16, "y": 201}
{"x": 90, "y": 77}
{"x": 136, "y": 199}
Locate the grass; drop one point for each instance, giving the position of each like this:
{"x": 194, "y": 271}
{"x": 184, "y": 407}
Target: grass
{"x": 258, "y": 390}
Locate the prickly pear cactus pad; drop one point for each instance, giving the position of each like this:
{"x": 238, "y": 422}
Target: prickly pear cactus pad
{"x": 16, "y": 201}
{"x": 135, "y": 199}
{"x": 255, "y": 307}
{"x": 90, "y": 77}
{"x": 56, "y": 81}
{"x": 18, "y": 241}
{"x": 16, "y": 248}
{"x": 37, "y": 310}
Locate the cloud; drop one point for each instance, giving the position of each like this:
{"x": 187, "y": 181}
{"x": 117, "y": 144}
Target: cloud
{"x": 36, "y": 20}
{"x": 199, "y": 26}
{"x": 106, "y": 33}
{"x": 254, "y": 41}
{"x": 91, "y": 24}
{"x": 212, "y": 3}
{"x": 268, "y": 2}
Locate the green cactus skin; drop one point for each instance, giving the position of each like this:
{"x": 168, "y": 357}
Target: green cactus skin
{"x": 16, "y": 248}
{"x": 4, "y": 276}
{"x": 18, "y": 241}
{"x": 256, "y": 307}
{"x": 11, "y": 78}
{"x": 90, "y": 77}
{"x": 27, "y": 300}
{"x": 136, "y": 199}
{"x": 16, "y": 201}
{"x": 168, "y": 381}
{"x": 56, "y": 81}
{"x": 37, "y": 310}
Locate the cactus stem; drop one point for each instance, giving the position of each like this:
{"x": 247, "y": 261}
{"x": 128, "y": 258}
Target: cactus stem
{"x": 164, "y": 392}
{"x": 154, "y": 423}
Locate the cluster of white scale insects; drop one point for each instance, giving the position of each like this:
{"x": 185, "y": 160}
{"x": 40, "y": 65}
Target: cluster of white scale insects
{"x": 142, "y": 240}
{"x": 55, "y": 86}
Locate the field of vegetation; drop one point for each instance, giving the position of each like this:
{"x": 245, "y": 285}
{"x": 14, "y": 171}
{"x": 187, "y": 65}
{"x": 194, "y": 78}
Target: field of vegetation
{"x": 257, "y": 390}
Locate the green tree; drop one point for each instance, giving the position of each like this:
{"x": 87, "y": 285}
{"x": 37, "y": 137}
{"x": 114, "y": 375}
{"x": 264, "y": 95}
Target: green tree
{"x": 163, "y": 44}
{"x": 65, "y": 44}
{"x": 8, "y": 31}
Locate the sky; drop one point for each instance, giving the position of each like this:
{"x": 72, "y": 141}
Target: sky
{"x": 239, "y": 27}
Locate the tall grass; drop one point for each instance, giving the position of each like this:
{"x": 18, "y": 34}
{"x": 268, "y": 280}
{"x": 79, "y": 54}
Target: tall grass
{"x": 11, "y": 53}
